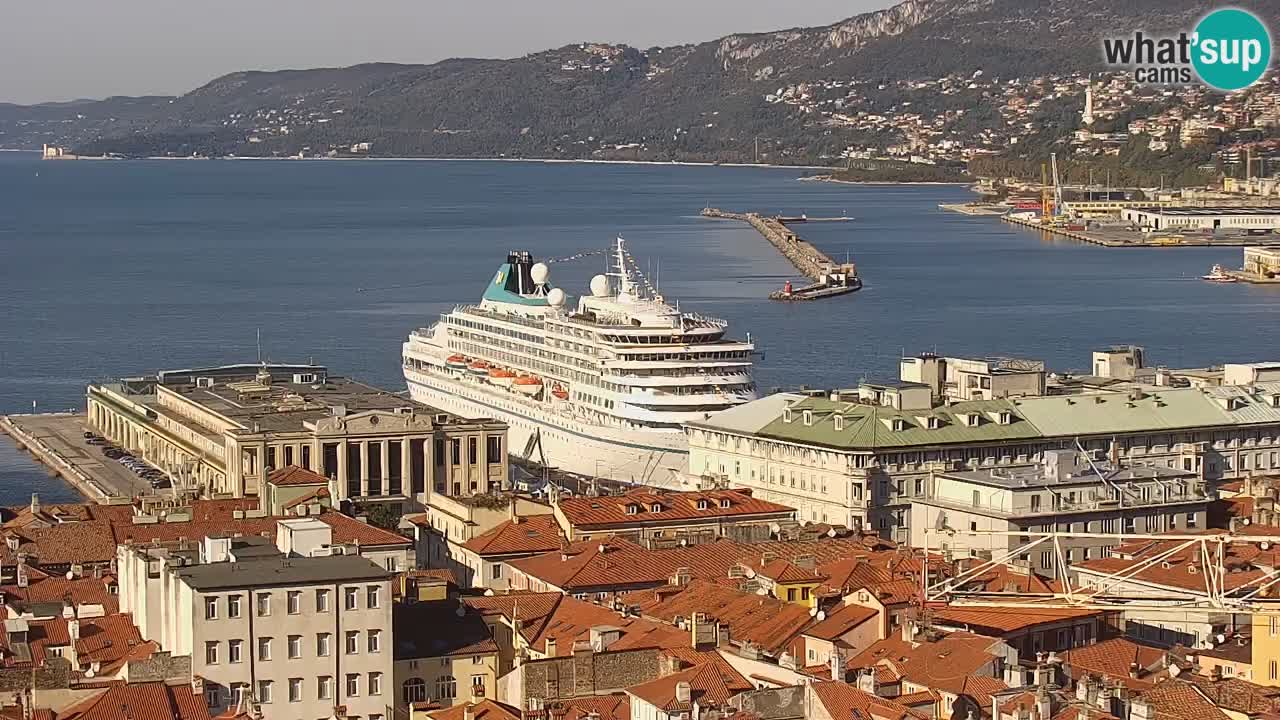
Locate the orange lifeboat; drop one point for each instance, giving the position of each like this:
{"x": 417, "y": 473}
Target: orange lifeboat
{"x": 479, "y": 367}
{"x": 560, "y": 392}
{"x": 501, "y": 377}
{"x": 457, "y": 362}
{"x": 527, "y": 385}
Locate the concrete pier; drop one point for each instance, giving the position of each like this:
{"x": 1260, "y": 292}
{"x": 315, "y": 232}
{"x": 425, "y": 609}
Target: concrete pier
{"x": 830, "y": 278}
{"x": 57, "y": 441}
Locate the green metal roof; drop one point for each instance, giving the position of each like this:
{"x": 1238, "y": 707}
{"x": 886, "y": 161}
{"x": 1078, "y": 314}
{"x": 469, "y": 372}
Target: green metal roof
{"x": 873, "y": 426}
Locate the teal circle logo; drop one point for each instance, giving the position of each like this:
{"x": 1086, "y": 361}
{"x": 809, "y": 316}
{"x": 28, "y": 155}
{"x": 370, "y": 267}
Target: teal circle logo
{"x": 1231, "y": 49}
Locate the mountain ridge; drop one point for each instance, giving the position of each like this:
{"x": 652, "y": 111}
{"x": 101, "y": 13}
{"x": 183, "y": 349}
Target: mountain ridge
{"x": 699, "y": 101}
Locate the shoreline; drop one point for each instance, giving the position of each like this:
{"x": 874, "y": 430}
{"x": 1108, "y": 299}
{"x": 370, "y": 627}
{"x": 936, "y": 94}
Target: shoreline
{"x": 829, "y": 179}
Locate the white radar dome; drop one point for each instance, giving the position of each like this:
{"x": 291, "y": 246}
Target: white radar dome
{"x": 556, "y": 297}
{"x": 600, "y": 286}
{"x": 540, "y": 273}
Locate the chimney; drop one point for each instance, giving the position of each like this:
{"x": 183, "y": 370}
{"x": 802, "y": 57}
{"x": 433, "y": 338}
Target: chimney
{"x": 514, "y": 513}
{"x": 867, "y": 680}
{"x": 468, "y": 712}
{"x": 683, "y": 692}
{"x": 35, "y": 503}
{"x": 551, "y": 647}
{"x": 1140, "y": 709}
{"x": 1044, "y": 703}
{"x": 1103, "y": 702}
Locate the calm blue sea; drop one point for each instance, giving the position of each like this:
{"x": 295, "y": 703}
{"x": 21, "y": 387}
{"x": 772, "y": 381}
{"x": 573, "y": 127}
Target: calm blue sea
{"x": 116, "y": 268}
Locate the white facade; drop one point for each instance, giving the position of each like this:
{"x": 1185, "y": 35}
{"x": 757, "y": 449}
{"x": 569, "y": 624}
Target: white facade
{"x": 297, "y": 636}
{"x": 1203, "y": 218}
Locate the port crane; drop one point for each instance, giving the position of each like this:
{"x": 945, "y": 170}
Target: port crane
{"x": 1050, "y": 195}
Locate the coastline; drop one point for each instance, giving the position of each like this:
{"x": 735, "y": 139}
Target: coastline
{"x": 829, "y": 179}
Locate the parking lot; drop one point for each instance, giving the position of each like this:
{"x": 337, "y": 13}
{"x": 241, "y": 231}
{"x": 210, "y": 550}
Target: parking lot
{"x": 64, "y": 435}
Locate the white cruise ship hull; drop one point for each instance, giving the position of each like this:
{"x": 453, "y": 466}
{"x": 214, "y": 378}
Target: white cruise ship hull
{"x": 658, "y": 458}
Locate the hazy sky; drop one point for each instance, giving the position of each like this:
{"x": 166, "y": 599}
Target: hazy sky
{"x": 90, "y": 48}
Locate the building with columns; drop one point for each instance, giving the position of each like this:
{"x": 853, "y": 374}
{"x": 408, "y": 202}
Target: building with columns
{"x": 220, "y": 431}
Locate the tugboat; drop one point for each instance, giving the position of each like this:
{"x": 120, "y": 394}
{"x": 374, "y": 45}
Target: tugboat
{"x": 1219, "y": 275}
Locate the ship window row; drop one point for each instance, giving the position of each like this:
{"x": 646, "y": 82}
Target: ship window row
{"x": 668, "y": 357}
{"x": 528, "y": 351}
{"x": 682, "y": 372}
{"x": 661, "y": 339}
{"x": 517, "y": 361}
{"x": 592, "y": 399}
{"x": 570, "y": 331}
{"x": 495, "y": 329}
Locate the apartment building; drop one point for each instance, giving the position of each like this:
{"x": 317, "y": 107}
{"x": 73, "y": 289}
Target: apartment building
{"x": 860, "y": 458}
{"x": 222, "y": 430}
{"x": 289, "y": 629}
{"x": 1063, "y": 493}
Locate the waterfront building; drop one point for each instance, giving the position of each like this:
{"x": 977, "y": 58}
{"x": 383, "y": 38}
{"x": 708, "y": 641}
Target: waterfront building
{"x": 859, "y": 459}
{"x": 289, "y": 625}
{"x": 1262, "y": 261}
{"x": 222, "y": 430}
{"x": 1204, "y": 218}
{"x": 1065, "y": 493}
{"x": 665, "y": 519}
{"x": 969, "y": 379}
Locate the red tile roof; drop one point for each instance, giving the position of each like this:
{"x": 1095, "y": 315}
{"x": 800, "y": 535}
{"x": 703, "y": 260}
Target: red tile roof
{"x": 842, "y": 700}
{"x": 628, "y": 566}
{"x": 1180, "y": 700}
{"x": 533, "y": 534}
{"x": 601, "y": 513}
{"x": 766, "y": 622}
{"x": 1114, "y": 659}
{"x": 1237, "y": 695}
{"x": 43, "y": 588}
{"x": 952, "y": 663}
{"x": 710, "y": 685}
{"x": 483, "y": 710}
{"x": 1008, "y": 620}
{"x": 604, "y": 707}
{"x": 94, "y": 541}
{"x": 566, "y": 620}
{"x": 1245, "y": 563}
{"x": 140, "y": 701}
{"x": 292, "y": 475}
{"x": 841, "y": 620}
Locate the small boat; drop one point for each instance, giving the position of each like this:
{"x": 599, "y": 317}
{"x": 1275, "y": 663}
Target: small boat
{"x": 558, "y": 391}
{"x": 501, "y": 377}
{"x": 479, "y": 367}
{"x": 1219, "y": 275}
{"x": 527, "y": 385}
{"x": 457, "y": 362}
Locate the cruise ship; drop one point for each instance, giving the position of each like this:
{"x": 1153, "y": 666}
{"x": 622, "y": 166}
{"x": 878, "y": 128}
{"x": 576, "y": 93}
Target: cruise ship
{"x": 603, "y": 387}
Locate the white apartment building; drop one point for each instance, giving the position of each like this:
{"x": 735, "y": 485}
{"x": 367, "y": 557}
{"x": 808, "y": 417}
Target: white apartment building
{"x": 860, "y": 457}
{"x": 290, "y": 629}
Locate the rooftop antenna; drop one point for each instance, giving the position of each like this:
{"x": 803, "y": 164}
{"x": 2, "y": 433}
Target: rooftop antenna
{"x": 259, "y": 343}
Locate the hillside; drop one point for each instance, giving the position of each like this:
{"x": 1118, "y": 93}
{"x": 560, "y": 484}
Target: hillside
{"x": 709, "y": 101}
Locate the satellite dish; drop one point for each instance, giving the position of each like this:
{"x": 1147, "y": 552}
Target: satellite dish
{"x": 555, "y": 297}
{"x": 822, "y": 615}
{"x": 600, "y": 286}
{"x": 460, "y": 611}
{"x": 72, "y": 576}
{"x": 540, "y": 273}
{"x": 813, "y": 612}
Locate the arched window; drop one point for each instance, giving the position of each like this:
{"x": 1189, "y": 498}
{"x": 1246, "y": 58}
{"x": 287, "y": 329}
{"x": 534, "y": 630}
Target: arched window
{"x": 415, "y": 690}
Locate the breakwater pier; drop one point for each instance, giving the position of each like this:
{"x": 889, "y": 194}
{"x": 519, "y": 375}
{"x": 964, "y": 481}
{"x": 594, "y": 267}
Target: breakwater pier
{"x": 829, "y": 277}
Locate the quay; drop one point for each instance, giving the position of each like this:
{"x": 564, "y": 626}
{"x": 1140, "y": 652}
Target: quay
{"x": 829, "y": 277}
{"x": 1117, "y": 238}
{"x": 57, "y": 441}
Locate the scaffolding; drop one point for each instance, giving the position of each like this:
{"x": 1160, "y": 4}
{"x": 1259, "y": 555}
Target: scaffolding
{"x": 1213, "y": 589}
